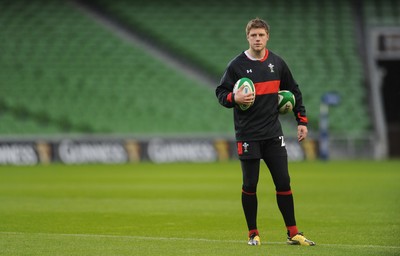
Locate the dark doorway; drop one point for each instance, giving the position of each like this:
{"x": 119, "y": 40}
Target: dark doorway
{"x": 391, "y": 103}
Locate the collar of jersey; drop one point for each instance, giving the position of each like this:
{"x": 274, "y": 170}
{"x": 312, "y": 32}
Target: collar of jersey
{"x": 254, "y": 59}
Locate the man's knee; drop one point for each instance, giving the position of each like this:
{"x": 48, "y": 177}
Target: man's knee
{"x": 282, "y": 187}
{"x": 249, "y": 189}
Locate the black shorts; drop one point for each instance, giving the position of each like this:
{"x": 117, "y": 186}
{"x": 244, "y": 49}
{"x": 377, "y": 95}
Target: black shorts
{"x": 261, "y": 149}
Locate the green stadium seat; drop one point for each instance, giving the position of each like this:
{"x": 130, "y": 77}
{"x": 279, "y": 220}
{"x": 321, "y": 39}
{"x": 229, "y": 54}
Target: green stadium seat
{"x": 80, "y": 72}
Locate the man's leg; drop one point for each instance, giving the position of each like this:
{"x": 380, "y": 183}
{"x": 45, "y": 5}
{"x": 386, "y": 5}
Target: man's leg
{"x": 250, "y": 171}
{"x": 279, "y": 170}
{"x": 278, "y": 167}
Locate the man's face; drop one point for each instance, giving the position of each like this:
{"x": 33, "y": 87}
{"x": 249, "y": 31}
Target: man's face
{"x": 257, "y": 39}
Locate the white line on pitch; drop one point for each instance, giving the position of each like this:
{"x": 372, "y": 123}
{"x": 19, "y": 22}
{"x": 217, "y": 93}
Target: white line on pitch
{"x": 191, "y": 239}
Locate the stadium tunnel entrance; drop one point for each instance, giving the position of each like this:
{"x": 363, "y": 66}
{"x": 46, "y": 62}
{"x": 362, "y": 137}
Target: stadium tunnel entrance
{"x": 390, "y": 96}
{"x": 383, "y": 65}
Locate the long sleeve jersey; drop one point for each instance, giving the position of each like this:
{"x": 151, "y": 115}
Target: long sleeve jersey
{"x": 269, "y": 75}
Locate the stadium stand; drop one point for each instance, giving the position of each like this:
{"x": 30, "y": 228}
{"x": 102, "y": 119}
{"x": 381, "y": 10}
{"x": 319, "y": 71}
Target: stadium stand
{"x": 316, "y": 38}
{"x": 381, "y": 13}
{"x": 64, "y": 73}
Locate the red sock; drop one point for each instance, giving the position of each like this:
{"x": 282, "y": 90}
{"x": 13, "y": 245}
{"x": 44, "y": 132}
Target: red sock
{"x": 292, "y": 231}
{"x": 253, "y": 231}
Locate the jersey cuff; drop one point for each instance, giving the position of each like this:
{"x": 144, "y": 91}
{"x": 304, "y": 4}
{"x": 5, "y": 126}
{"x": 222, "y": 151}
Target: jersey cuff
{"x": 229, "y": 97}
{"x": 302, "y": 120}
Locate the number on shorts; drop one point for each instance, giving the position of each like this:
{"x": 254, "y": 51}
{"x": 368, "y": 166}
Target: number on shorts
{"x": 282, "y": 141}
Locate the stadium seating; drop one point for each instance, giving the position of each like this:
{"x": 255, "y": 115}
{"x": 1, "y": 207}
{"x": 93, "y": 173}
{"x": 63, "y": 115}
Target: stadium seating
{"x": 316, "y": 38}
{"x": 381, "y": 13}
{"x": 64, "y": 73}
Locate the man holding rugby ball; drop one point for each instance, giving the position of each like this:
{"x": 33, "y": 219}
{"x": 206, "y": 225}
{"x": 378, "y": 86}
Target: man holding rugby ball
{"x": 258, "y": 130}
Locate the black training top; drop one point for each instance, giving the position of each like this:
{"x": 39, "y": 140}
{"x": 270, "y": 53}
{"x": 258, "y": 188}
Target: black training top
{"x": 269, "y": 75}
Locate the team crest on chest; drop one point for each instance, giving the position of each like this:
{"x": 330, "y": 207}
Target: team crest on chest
{"x": 271, "y": 67}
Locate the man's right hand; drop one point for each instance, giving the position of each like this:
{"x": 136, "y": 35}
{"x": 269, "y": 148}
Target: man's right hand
{"x": 244, "y": 98}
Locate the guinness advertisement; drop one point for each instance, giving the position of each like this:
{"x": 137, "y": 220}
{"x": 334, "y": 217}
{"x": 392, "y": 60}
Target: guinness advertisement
{"x": 19, "y": 153}
{"x": 165, "y": 151}
{"x": 120, "y": 151}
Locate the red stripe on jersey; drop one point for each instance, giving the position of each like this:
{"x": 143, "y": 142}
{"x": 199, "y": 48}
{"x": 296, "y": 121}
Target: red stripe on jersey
{"x": 284, "y": 193}
{"x": 302, "y": 119}
{"x": 240, "y": 148}
{"x": 229, "y": 97}
{"x": 267, "y": 87}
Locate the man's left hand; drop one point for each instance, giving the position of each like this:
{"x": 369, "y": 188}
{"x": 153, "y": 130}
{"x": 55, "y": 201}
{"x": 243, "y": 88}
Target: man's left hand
{"x": 302, "y": 132}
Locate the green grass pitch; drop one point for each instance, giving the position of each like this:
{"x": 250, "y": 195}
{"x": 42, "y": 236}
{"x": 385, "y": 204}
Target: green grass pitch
{"x": 347, "y": 208}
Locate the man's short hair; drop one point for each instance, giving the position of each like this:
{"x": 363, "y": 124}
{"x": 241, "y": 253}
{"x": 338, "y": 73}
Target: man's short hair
{"x": 257, "y": 23}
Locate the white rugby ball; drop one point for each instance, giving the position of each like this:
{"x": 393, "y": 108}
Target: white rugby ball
{"x": 248, "y": 87}
{"x": 286, "y": 101}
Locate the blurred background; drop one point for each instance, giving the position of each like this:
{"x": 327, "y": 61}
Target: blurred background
{"x": 129, "y": 81}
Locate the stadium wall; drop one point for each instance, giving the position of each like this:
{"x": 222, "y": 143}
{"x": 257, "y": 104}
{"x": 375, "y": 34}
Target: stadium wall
{"x": 132, "y": 150}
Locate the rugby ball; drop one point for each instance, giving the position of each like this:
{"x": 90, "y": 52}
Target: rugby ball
{"x": 248, "y": 87}
{"x": 286, "y": 101}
